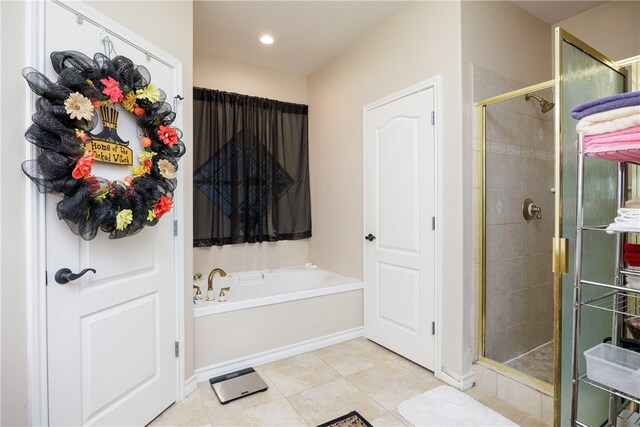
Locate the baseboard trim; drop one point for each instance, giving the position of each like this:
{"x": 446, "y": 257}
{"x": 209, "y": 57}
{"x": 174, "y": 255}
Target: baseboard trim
{"x": 204, "y": 373}
{"x": 463, "y": 383}
{"x": 190, "y": 385}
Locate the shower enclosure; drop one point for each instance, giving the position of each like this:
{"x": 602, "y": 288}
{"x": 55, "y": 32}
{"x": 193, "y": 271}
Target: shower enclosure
{"x": 518, "y": 220}
{"x": 525, "y": 192}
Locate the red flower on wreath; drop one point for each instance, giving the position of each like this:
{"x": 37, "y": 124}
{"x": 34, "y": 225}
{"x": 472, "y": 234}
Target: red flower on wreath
{"x": 83, "y": 166}
{"x": 163, "y": 206}
{"x": 168, "y": 135}
{"x": 112, "y": 89}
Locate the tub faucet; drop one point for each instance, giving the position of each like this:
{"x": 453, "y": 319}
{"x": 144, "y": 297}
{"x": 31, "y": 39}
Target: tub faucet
{"x": 210, "y": 295}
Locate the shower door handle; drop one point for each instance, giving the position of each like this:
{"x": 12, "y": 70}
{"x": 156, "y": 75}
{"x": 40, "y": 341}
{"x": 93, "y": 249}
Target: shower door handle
{"x": 369, "y": 237}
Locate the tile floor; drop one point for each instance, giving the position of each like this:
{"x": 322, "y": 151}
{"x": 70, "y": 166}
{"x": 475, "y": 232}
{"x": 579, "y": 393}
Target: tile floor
{"x": 315, "y": 387}
{"x": 538, "y": 362}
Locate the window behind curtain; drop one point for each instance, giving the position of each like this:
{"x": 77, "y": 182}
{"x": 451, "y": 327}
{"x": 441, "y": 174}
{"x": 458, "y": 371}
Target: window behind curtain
{"x": 251, "y": 169}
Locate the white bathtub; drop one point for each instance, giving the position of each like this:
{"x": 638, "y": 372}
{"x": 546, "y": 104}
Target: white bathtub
{"x": 273, "y": 314}
{"x": 264, "y": 287}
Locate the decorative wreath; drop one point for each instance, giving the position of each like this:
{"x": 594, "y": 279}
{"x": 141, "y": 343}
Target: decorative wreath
{"x": 62, "y": 130}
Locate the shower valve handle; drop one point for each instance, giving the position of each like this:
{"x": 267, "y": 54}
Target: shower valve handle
{"x": 369, "y": 237}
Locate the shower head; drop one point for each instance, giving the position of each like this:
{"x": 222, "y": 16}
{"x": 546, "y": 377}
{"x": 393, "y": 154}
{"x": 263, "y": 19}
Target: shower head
{"x": 545, "y": 105}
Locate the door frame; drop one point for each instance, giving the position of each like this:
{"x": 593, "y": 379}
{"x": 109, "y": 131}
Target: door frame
{"x": 434, "y": 82}
{"x": 35, "y": 276}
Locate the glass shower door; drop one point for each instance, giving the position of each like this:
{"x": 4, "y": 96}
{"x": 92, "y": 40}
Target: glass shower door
{"x": 582, "y": 74}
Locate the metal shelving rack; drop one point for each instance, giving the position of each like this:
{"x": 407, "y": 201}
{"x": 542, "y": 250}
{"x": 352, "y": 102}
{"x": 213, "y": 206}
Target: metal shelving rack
{"x": 616, "y": 301}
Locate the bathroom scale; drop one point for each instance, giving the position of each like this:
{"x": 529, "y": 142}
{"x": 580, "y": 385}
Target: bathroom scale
{"x": 236, "y": 385}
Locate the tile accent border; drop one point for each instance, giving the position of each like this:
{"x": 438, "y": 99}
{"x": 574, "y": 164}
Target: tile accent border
{"x": 514, "y": 150}
{"x": 204, "y": 373}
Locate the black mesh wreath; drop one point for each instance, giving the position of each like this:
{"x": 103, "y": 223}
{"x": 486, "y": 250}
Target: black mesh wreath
{"x": 89, "y": 203}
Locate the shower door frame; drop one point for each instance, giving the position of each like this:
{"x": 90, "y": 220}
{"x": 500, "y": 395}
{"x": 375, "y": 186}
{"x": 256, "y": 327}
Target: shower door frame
{"x": 481, "y": 116}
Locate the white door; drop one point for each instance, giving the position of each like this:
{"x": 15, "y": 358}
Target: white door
{"x": 400, "y": 205}
{"x": 110, "y": 335}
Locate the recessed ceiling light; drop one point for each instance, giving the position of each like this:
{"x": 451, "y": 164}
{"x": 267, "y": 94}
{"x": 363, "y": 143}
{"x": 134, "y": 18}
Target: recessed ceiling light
{"x": 266, "y": 39}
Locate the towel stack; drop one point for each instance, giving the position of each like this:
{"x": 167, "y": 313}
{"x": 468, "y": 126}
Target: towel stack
{"x": 611, "y": 126}
{"x": 628, "y": 220}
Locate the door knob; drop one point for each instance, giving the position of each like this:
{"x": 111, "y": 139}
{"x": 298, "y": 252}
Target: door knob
{"x": 370, "y": 237}
{"x": 64, "y": 275}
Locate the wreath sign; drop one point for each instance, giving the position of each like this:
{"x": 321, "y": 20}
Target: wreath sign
{"x": 66, "y": 115}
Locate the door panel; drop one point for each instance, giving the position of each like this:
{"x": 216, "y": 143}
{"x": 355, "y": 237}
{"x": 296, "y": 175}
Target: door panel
{"x": 399, "y": 262}
{"x": 110, "y": 334}
{"x": 402, "y": 285}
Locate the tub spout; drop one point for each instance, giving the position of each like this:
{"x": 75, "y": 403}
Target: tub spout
{"x": 210, "y": 295}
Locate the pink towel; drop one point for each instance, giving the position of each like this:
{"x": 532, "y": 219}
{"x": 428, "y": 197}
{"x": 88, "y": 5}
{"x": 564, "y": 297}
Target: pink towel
{"x": 622, "y": 145}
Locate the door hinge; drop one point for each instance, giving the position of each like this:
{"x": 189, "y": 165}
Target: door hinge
{"x": 433, "y": 117}
{"x": 433, "y": 328}
{"x": 46, "y": 278}
{"x": 177, "y": 349}
{"x": 175, "y": 227}
{"x": 433, "y": 222}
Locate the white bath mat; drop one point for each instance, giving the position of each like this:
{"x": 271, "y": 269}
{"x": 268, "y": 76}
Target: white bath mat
{"x": 446, "y": 406}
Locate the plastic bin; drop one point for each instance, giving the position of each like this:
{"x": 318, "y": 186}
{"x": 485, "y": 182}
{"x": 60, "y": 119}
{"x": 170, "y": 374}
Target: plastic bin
{"x": 614, "y": 367}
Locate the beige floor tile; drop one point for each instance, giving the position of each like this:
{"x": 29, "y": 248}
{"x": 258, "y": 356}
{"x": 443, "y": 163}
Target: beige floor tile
{"x": 329, "y": 401}
{"x": 387, "y": 420}
{"x": 501, "y": 407}
{"x": 391, "y": 383}
{"x": 354, "y": 356}
{"x": 217, "y": 411}
{"x": 189, "y": 412}
{"x": 299, "y": 373}
{"x": 400, "y": 418}
{"x": 276, "y": 413}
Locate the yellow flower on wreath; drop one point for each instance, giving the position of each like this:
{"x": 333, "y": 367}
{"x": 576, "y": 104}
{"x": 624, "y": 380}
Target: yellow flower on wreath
{"x": 151, "y": 215}
{"x": 129, "y": 102}
{"x": 138, "y": 171}
{"x": 150, "y": 93}
{"x": 123, "y": 219}
{"x": 145, "y": 155}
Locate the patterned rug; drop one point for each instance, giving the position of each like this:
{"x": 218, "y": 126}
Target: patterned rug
{"x": 352, "y": 419}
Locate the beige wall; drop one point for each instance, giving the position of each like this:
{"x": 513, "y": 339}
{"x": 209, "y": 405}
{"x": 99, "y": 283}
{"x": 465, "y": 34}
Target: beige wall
{"x": 612, "y": 28}
{"x": 214, "y": 72}
{"x": 420, "y": 41}
{"x": 502, "y": 37}
{"x": 13, "y": 324}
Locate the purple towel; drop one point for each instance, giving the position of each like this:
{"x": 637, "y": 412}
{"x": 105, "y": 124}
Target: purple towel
{"x": 605, "y": 104}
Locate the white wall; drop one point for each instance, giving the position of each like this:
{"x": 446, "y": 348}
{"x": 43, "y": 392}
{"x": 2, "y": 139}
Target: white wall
{"x": 13, "y": 323}
{"x": 420, "y": 41}
{"x": 214, "y": 72}
{"x": 612, "y": 28}
{"x": 142, "y": 19}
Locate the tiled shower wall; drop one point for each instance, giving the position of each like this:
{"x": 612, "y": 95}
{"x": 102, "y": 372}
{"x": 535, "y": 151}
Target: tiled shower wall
{"x": 520, "y": 165}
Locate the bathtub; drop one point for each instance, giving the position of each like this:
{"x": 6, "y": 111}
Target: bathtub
{"x": 263, "y": 287}
{"x": 273, "y": 314}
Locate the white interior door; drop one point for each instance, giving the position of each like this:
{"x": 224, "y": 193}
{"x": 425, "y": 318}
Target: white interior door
{"x": 400, "y": 204}
{"x": 110, "y": 338}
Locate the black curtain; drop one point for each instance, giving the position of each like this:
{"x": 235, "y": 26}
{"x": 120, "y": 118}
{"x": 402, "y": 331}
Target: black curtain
{"x": 251, "y": 169}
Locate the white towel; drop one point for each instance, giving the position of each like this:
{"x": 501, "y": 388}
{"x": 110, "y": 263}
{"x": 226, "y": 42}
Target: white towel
{"x": 610, "y": 121}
